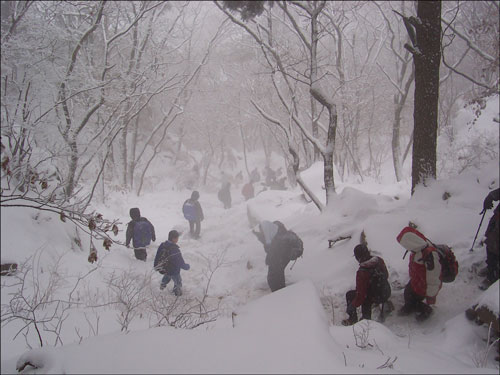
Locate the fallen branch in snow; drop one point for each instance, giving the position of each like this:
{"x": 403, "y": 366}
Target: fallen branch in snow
{"x": 388, "y": 363}
{"x": 20, "y": 367}
{"x": 340, "y": 238}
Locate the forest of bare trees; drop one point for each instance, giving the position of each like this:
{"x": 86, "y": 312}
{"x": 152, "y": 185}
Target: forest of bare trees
{"x": 94, "y": 93}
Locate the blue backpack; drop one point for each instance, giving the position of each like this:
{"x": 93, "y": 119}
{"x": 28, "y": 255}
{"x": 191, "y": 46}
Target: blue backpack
{"x": 189, "y": 210}
{"x": 142, "y": 234}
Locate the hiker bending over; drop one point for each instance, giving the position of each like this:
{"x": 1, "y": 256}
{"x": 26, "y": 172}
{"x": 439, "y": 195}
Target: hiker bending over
{"x": 281, "y": 246}
{"x": 492, "y": 235}
{"x": 169, "y": 261}
{"x": 425, "y": 274}
{"x": 141, "y": 232}
{"x": 193, "y": 213}
{"x": 372, "y": 286}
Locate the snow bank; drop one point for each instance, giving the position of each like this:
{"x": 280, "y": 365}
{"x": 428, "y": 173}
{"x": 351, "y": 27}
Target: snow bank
{"x": 285, "y": 332}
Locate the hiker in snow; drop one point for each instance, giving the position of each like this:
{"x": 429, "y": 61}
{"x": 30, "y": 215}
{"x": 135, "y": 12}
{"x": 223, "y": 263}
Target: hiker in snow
{"x": 194, "y": 214}
{"x": 425, "y": 274}
{"x": 248, "y": 191}
{"x": 255, "y": 175}
{"x": 270, "y": 176}
{"x": 169, "y": 261}
{"x": 372, "y": 286}
{"x": 224, "y": 194}
{"x": 281, "y": 246}
{"x": 266, "y": 233}
{"x": 492, "y": 240}
{"x": 141, "y": 232}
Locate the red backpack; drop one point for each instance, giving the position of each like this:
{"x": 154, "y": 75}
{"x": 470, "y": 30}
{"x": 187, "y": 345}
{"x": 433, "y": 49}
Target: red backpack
{"x": 449, "y": 265}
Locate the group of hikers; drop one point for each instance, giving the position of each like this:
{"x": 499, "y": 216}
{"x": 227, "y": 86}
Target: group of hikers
{"x": 429, "y": 265}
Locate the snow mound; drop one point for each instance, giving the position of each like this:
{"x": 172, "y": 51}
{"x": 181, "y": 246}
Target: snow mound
{"x": 268, "y": 336}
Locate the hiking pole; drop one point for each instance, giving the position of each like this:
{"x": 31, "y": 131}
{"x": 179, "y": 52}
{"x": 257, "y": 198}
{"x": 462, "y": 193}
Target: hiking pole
{"x": 293, "y": 264}
{"x": 484, "y": 213}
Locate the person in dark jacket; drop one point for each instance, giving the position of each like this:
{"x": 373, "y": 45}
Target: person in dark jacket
{"x": 224, "y": 194}
{"x": 195, "y": 225}
{"x": 372, "y": 286}
{"x": 265, "y": 234}
{"x": 279, "y": 254}
{"x": 492, "y": 235}
{"x": 139, "y": 249}
{"x": 175, "y": 262}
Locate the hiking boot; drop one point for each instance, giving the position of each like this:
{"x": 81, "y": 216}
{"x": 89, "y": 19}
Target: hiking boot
{"x": 424, "y": 315}
{"x": 405, "y": 310}
{"x": 483, "y": 272}
{"x": 485, "y": 284}
{"x": 349, "y": 321}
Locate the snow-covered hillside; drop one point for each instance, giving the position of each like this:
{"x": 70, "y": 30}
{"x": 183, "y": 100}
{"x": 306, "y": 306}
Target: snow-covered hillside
{"x": 294, "y": 330}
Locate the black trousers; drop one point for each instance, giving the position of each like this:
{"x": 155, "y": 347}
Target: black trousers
{"x": 492, "y": 266}
{"x": 366, "y": 307}
{"x": 276, "y": 277}
{"x": 195, "y": 228}
{"x": 414, "y": 302}
{"x": 140, "y": 253}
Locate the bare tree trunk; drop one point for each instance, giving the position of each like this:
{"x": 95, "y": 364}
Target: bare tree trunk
{"x": 428, "y": 38}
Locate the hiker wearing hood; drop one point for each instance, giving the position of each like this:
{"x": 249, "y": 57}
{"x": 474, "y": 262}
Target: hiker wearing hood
{"x": 141, "y": 232}
{"x": 281, "y": 246}
{"x": 194, "y": 214}
{"x": 372, "y": 285}
{"x": 425, "y": 274}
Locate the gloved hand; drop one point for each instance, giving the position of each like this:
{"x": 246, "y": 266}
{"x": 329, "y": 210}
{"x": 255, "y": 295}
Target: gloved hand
{"x": 488, "y": 202}
{"x": 187, "y": 267}
{"x": 431, "y": 300}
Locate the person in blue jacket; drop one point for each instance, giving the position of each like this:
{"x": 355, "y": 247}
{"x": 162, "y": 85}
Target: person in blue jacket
{"x": 169, "y": 262}
{"x": 141, "y": 232}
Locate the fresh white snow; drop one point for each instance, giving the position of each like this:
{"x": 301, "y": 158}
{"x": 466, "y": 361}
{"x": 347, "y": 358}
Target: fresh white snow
{"x": 294, "y": 330}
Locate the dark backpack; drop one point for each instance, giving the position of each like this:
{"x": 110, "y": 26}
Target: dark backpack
{"x": 380, "y": 288}
{"x": 161, "y": 259}
{"x": 142, "y": 233}
{"x": 449, "y": 264}
{"x": 294, "y": 243}
{"x": 189, "y": 210}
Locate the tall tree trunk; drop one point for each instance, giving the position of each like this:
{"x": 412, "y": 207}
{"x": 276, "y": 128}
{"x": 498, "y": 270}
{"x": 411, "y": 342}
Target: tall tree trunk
{"x": 428, "y": 38}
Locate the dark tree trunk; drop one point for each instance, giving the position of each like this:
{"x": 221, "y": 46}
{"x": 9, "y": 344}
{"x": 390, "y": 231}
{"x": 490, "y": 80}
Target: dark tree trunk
{"x": 428, "y": 38}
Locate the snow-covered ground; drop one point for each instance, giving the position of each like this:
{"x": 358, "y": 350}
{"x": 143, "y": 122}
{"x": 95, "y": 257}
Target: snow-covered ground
{"x": 294, "y": 330}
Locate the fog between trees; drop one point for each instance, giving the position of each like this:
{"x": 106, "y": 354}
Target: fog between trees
{"x": 95, "y": 93}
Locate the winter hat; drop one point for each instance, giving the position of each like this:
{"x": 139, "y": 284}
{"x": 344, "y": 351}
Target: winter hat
{"x": 360, "y": 250}
{"x": 135, "y": 213}
{"x": 195, "y": 195}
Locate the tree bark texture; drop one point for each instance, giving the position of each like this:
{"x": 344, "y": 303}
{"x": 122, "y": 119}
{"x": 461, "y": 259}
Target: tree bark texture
{"x": 428, "y": 33}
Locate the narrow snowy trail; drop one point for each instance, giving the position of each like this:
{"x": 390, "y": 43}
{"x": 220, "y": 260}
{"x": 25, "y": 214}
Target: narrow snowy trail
{"x": 225, "y": 234}
{"x": 242, "y": 277}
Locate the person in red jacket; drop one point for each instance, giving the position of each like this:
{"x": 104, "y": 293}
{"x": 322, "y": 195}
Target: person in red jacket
{"x": 425, "y": 274}
{"x": 248, "y": 191}
{"x": 372, "y": 285}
